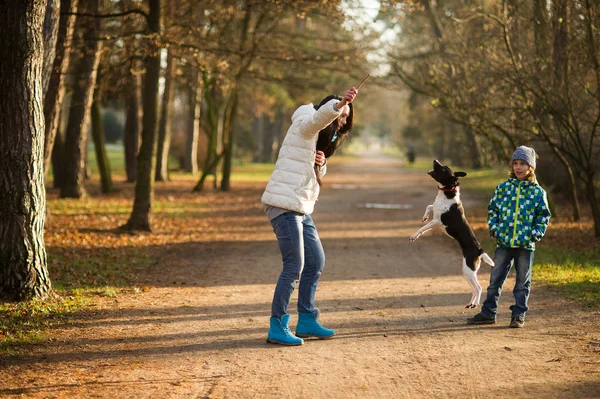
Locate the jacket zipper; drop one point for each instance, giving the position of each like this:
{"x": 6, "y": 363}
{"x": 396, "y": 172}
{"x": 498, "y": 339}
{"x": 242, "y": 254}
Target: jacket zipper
{"x": 512, "y": 241}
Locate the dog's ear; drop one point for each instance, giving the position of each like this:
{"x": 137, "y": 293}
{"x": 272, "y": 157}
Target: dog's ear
{"x": 460, "y": 174}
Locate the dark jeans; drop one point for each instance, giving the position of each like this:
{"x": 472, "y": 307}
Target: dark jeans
{"x": 303, "y": 259}
{"x": 504, "y": 259}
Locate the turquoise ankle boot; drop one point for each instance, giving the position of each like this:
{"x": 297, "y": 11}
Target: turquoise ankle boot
{"x": 279, "y": 332}
{"x": 308, "y": 326}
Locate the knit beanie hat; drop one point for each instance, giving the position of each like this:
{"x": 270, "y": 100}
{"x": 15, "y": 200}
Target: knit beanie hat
{"x": 526, "y": 154}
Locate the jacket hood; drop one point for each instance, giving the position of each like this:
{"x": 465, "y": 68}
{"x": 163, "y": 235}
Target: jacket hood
{"x": 307, "y": 109}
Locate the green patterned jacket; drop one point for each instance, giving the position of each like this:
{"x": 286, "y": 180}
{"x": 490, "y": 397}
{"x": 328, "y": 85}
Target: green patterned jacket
{"x": 518, "y": 214}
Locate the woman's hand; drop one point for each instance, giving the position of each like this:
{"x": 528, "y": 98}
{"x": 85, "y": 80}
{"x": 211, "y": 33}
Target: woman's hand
{"x": 348, "y": 97}
{"x": 320, "y": 158}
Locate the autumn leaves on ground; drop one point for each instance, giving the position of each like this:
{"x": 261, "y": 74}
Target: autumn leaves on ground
{"x": 183, "y": 312}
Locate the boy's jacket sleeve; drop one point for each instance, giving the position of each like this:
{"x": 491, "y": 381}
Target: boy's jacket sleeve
{"x": 493, "y": 213}
{"x": 542, "y": 218}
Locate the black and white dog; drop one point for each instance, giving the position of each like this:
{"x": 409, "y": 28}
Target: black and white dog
{"x": 447, "y": 211}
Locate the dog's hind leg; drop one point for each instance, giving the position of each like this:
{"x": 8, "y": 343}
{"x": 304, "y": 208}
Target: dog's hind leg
{"x": 471, "y": 277}
{"x": 425, "y": 228}
{"x": 428, "y": 211}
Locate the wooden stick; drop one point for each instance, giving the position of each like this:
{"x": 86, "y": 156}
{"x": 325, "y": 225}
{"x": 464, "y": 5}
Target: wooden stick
{"x": 363, "y": 81}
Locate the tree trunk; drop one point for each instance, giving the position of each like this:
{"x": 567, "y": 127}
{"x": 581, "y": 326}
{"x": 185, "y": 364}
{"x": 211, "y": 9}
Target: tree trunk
{"x": 560, "y": 60}
{"x": 560, "y": 55}
{"x": 58, "y": 160}
{"x": 276, "y": 134}
{"x": 541, "y": 32}
{"x": 133, "y": 126}
{"x": 51, "y": 22}
{"x": 453, "y": 143}
{"x": 268, "y": 137}
{"x": 264, "y": 133}
{"x": 53, "y": 100}
{"x": 76, "y": 135}
{"x": 228, "y": 131}
{"x": 590, "y": 170}
{"x": 164, "y": 127}
{"x": 100, "y": 146}
{"x": 87, "y": 174}
{"x": 212, "y": 118}
{"x": 194, "y": 103}
{"x": 146, "y": 160}
{"x": 593, "y": 200}
{"x": 281, "y": 134}
{"x": 23, "y": 268}
{"x": 231, "y": 109}
{"x": 474, "y": 153}
{"x": 259, "y": 122}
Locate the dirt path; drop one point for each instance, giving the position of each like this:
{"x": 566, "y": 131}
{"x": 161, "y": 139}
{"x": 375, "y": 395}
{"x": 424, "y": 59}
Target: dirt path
{"x": 397, "y": 307}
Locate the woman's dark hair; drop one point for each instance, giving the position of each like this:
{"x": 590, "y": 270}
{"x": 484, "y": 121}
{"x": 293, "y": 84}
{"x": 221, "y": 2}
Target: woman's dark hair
{"x": 330, "y": 138}
{"x": 328, "y": 141}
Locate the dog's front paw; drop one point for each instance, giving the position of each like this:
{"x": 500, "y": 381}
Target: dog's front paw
{"x": 413, "y": 237}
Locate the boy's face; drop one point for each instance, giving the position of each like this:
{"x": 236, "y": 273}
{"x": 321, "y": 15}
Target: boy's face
{"x": 520, "y": 169}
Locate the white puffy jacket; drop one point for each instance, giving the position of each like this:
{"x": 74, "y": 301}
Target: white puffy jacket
{"x": 293, "y": 184}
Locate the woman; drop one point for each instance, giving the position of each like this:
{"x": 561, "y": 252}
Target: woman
{"x": 289, "y": 198}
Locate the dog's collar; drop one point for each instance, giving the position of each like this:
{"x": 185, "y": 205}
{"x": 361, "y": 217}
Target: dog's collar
{"x": 448, "y": 190}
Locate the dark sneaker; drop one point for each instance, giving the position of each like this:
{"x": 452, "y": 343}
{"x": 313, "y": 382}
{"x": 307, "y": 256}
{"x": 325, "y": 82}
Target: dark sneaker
{"x": 481, "y": 319}
{"x": 517, "y": 322}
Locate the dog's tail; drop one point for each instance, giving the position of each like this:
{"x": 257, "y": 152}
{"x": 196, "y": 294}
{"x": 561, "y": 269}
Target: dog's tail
{"x": 486, "y": 258}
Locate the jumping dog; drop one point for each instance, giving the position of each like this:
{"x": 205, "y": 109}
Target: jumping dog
{"x": 447, "y": 212}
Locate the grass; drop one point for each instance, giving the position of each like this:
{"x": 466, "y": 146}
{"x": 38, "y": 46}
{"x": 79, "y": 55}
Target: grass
{"x": 25, "y": 323}
{"x": 574, "y": 274}
{"x": 93, "y": 273}
{"x": 78, "y": 281}
{"x": 116, "y": 159}
{"x": 256, "y": 172}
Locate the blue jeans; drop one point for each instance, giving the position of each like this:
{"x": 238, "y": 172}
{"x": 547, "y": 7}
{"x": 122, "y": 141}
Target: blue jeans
{"x": 303, "y": 260}
{"x": 504, "y": 259}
